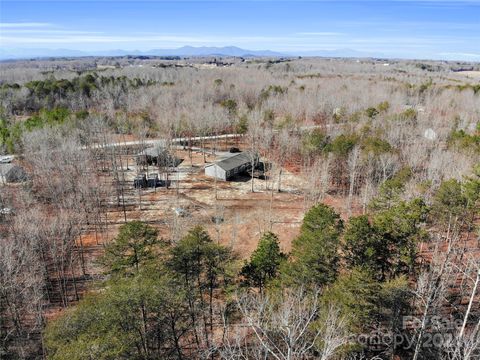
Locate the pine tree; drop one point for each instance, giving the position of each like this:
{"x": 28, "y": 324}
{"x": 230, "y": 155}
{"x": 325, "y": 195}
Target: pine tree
{"x": 264, "y": 262}
{"x": 314, "y": 253}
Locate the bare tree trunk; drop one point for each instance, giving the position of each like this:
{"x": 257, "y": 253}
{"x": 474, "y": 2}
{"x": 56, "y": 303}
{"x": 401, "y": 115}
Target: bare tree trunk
{"x": 352, "y": 162}
{"x": 470, "y": 303}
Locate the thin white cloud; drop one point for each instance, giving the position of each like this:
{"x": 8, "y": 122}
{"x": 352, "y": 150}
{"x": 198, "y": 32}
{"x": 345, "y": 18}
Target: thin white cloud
{"x": 400, "y": 26}
{"x": 461, "y": 54}
{"x": 441, "y": 2}
{"x": 320, "y": 33}
{"x": 394, "y": 40}
{"x": 21, "y": 25}
{"x": 65, "y": 37}
{"x": 12, "y": 31}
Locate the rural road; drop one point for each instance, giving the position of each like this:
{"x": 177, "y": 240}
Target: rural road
{"x": 154, "y": 142}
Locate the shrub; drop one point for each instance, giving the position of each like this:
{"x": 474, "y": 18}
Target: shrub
{"x": 342, "y": 144}
{"x": 314, "y": 142}
{"x": 376, "y": 145}
{"x": 371, "y": 112}
{"x": 463, "y": 141}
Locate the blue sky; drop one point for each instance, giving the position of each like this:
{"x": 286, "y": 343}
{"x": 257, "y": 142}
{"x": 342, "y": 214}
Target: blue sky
{"x": 414, "y": 29}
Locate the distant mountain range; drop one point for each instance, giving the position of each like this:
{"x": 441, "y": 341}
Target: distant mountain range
{"x": 343, "y": 53}
{"x": 183, "y": 51}
{"x": 187, "y": 51}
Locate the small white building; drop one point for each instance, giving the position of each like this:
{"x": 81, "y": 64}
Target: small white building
{"x": 227, "y": 168}
{"x": 6, "y": 159}
{"x": 430, "y": 134}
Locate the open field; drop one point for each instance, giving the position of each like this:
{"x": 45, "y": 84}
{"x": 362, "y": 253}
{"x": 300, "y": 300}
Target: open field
{"x": 243, "y": 215}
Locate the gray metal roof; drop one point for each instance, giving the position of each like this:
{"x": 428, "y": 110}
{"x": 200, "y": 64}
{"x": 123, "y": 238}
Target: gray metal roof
{"x": 5, "y": 168}
{"x": 154, "y": 151}
{"x": 235, "y": 161}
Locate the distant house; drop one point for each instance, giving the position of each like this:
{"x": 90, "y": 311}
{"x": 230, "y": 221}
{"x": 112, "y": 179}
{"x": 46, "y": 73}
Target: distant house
{"x": 11, "y": 173}
{"x": 157, "y": 156}
{"x": 6, "y": 159}
{"x": 233, "y": 165}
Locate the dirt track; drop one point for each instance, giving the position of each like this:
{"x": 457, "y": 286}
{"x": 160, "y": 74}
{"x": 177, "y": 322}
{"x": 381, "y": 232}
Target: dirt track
{"x": 241, "y": 216}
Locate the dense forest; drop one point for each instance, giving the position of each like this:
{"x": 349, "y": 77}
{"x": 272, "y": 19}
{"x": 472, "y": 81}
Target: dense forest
{"x": 360, "y": 239}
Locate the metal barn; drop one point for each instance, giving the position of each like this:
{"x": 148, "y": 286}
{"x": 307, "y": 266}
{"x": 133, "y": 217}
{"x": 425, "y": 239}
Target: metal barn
{"x": 227, "y": 168}
{"x": 157, "y": 156}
